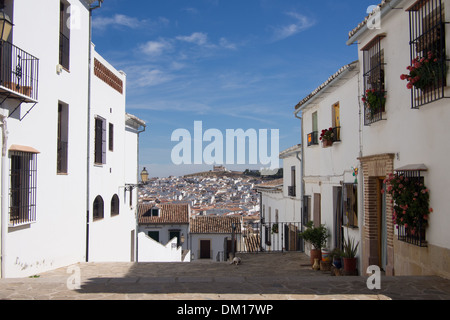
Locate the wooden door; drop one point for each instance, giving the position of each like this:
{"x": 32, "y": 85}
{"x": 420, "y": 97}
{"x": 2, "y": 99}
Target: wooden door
{"x": 205, "y": 249}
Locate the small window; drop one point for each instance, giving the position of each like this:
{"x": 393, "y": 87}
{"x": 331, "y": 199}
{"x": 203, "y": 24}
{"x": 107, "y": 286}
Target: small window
{"x": 64, "y": 35}
{"x": 98, "y": 212}
{"x": 115, "y": 205}
{"x": 155, "y": 212}
{"x": 111, "y": 137}
{"x": 313, "y": 137}
{"x": 336, "y": 122}
{"x": 100, "y": 141}
{"x": 63, "y": 138}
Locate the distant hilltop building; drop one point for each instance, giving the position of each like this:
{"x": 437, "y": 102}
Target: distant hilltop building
{"x": 219, "y": 169}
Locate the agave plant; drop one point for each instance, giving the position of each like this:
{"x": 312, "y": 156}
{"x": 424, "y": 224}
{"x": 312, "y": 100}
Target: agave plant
{"x": 350, "y": 248}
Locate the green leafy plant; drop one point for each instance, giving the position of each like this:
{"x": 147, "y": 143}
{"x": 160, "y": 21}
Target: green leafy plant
{"x": 350, "y": 248}
{"x": 317, "y": 236}
{"x": 374, "y": 100}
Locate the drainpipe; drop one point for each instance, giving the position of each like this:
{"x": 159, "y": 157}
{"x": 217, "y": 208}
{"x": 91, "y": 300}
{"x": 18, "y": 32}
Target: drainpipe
{"x": 136, "y": 214}
{"x": 302, "y": 171}
{"x": 91, "y": 8}
{"x": 4, "y": 194}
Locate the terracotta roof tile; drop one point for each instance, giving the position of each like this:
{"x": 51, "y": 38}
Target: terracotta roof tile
{"x": 169, "y": 213}
{"x": 215, "y": 225}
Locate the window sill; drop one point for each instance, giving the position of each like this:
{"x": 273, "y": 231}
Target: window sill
{"x": 21, "y": 225}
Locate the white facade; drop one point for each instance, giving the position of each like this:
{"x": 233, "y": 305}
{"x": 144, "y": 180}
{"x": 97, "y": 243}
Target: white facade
{"x": 112, "y": 238}
{"x": 281, "y": 205}
{"x": 153, "y": 251}
{"x": 407, "y": 137}
{"x": 328, "y": 171}
{"x": 45, "y": 194}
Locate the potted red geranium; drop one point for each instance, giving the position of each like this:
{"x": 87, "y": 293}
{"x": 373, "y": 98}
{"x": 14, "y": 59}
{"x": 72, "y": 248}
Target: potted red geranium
{"x": 425, "y": 72}
{"x": 327, "y": 137}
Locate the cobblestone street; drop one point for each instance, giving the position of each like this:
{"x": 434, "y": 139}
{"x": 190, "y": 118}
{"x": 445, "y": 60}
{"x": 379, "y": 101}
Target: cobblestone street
{"x": 260, "y": 277}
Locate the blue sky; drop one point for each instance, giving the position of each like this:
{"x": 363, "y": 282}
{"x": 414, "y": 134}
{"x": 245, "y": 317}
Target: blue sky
{"x": 230, "y": 64}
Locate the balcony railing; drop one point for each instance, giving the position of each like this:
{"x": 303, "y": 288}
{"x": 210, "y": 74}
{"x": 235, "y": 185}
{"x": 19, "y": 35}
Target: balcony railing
{"x": 19, "y": 72}
{"x": 336, "y": 134}
{"x": 291, "y": 191}
{"x": 313, "y": 138}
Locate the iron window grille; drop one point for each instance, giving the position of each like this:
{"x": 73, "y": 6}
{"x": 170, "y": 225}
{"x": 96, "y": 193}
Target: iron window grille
{"x": 313, "y": 138}
{"x": 374, "y": 78}
{"x": 291, "y": 191}
{"x": 23, "y": 177}
{"x": 100, "y": 141}
{"x": 418, "y": 239}
{"x": 427, "y": 35}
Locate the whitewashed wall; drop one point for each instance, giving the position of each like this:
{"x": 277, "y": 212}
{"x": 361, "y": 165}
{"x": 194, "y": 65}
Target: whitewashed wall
{"x": 153, "y": 251}
{"x": 57, "y": 237}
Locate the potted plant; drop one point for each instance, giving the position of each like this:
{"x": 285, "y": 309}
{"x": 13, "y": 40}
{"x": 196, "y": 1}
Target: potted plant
{"x": 275, "y": 228}
{"x": 410, "y": 199}
{"x": 375, "y": 101}
{"x": 426, "y": 72}
{"x": 349, "y": 255}
{"x": 336, "y": 255}
{"x": 327, "y": 136}
{"x": 317, "y": 237}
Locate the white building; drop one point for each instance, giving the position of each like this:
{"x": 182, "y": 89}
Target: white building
{"x": 330, "y": 189}
{"x": 211, "y": 237}
{"x": 408, "y": 136}
{"x": 47, "y": 133}
{"x": 280, "y": 203}
{"x": 163, "y": 232}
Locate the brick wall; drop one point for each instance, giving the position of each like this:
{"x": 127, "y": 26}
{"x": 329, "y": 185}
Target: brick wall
{"x": 107, "y": 76}
{"x": 375, "y": 169}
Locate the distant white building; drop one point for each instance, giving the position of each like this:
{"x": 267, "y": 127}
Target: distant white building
{"x": 280, "y": 205}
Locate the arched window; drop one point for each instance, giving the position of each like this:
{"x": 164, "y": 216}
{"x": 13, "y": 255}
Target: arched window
{"x": 98, "y": 212}
{"x": 115, "y": 205}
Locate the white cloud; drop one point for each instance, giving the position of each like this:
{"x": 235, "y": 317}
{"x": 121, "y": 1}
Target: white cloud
{"x": 301, "y": 24}
{"x": 155, "y": 48}
{"x": 116, "y": 20}
{"x": 198, "y": 38}
{"x": 120, "y": 20}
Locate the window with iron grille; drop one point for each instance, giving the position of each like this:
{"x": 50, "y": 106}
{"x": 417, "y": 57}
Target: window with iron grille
{"x": 23, "y": 175}
{"x": 313, "y": 137}
{"x": 100, "y": 141}
{"x": 374, "y": 81}
{"x": 427, "y": 42}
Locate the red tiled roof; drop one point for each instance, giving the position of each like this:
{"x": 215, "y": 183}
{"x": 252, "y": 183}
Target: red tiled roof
{"x": 169, "y": 213}
{"x": 215, "y": 224}
{"x": 271, "y": 184}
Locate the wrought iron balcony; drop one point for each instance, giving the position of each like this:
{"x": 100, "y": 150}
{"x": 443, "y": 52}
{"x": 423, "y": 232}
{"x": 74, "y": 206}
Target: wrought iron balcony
{"x": 19, "y": 72}
{"x": 291, "y": 191}
{"x": 313, "y": 138}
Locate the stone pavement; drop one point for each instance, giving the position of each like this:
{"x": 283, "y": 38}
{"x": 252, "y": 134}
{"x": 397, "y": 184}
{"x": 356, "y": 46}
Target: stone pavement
{"x": 276, "y": 276}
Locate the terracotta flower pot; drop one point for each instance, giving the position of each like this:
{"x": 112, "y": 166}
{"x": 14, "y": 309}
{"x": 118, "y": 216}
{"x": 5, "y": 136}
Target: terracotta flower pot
{"x": 315, "y": 254}
{"x": 350, "y": 265}
{"x": 327, "y": 143}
